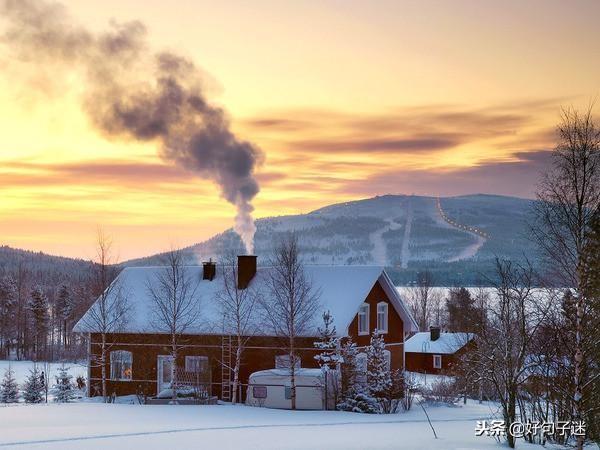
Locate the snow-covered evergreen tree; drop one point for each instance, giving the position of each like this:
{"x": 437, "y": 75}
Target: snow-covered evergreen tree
{"x": 328, "y": 343}
{"x": 33, "y": 389}
{"x": 63, "y": 389}
{"x": 355, "y": 395}
{"x": 379, "y": 378}
{"x": 9, "y": 390}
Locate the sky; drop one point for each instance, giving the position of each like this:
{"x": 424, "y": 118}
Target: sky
{"x": 344, "y": 99}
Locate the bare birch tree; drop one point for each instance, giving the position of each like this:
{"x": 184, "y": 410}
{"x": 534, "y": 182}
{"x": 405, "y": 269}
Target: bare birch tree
{"x": 176, "y": 305}
{"x": 502, "y": 354}
{"x": 425, "y": 302}
{"x": 568, "y": 199}
{"x": 291, "y": 303}
{"x": 110, "y": 312}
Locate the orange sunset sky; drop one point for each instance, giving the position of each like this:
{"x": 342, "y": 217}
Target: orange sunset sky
{"x": 347, "y": 99}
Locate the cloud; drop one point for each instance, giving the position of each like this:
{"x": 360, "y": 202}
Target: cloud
{"x": 103, "y": 172}
{"x": 511, "y": 177}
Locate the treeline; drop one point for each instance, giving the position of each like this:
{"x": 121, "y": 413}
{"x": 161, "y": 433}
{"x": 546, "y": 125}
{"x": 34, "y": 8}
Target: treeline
{"x": 41, "y": 298}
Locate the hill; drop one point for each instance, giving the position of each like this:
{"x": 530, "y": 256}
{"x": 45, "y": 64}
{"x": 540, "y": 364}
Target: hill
{"x": 454, "y": 238}
{"x": 41, "y": 268}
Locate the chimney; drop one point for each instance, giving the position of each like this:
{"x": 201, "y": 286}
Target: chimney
{"x": 246, "y": 270}
{"x": 209, "y": 270}
{"x": 435, "y": 333}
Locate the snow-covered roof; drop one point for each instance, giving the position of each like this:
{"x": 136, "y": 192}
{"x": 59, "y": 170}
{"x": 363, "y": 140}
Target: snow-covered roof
{"x": 447, "y": 343}
{"x": 306, "y": 372}
{"x": 342, "y": 289}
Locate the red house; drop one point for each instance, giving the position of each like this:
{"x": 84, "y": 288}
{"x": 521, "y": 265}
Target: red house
{"x": 360, "y": 299}
{"x": 435, "y": 352}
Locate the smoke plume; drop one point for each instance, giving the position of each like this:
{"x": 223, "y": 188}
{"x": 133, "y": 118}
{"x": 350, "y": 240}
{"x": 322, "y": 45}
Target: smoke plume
{"x": 135, "y": 93}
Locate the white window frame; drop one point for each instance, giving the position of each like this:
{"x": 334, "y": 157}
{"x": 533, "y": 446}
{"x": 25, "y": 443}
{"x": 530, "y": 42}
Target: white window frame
{"x": 125, "y": 359}
{"x": 364, "y": 312}
{"x": 193, "y": 364}
{"x": 437, "y": 361}
{"x": 382, "y": 305}
{"x": 283, "y": 362}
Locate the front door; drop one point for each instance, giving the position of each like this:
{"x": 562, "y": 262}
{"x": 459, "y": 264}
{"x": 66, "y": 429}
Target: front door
{"x": 164, "y": 373}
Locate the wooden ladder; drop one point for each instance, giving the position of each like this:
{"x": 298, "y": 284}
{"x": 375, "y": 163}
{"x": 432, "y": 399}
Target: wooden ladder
{"x": 226, "y": 368}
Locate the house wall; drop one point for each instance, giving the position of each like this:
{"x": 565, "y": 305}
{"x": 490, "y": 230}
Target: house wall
{"x": 394, "y": 338}
{"x": 423, "y": 363}
{"x": 259, "y": 355}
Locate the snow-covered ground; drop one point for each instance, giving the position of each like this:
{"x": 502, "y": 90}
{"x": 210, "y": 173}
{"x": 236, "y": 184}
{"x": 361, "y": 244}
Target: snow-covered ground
{"x": 120, "y": 426}
{"x": 21, "y": 369}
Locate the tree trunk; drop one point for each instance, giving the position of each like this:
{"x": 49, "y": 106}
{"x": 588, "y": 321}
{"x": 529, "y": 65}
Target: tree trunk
{"x": 174, "y": 374}
{"x": 578, "y": 367}
{"x": 292, "y": 375}
{"x": 103, "y": 363}
{"x": 510, "y": 416}
{"x": 236, "y": 370}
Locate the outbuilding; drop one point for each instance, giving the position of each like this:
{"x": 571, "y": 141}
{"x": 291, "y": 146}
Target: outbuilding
{"x": 435, "y": 352}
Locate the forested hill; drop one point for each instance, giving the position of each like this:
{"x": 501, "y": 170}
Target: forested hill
{"x": 455, "y": 238}
{"x": 42, "y": 268}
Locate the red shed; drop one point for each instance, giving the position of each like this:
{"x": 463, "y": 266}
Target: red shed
{"x": 435, "y": 352}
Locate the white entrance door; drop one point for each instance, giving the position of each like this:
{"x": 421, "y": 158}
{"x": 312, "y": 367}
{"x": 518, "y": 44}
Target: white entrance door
{"x": 164, "y": 365}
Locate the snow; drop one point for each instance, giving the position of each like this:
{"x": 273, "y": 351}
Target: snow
{"x": 286, "y": 372}
{"x": 427, "y": 381}
{"x": 120, "y": 426}
{"x": 448, "y": 343}
{"x": 342, "y": 289}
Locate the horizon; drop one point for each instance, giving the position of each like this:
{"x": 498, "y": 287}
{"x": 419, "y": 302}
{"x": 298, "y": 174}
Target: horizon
{"x": 427, "y": 99}
{"x": 142, "y": 256}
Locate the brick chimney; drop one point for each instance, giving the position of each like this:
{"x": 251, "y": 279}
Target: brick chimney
{"x": 434, "y": 333}
{"x": 209, "y": 270}
{"x": 246, "y": 270}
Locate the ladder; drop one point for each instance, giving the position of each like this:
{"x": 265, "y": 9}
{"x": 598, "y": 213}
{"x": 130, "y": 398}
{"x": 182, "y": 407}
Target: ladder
{"x": 226, "y": 368}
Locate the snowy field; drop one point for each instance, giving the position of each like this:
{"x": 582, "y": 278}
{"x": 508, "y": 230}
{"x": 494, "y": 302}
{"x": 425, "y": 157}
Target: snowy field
{"x": 89, "y": 424}
{"x": 121, "y": 426}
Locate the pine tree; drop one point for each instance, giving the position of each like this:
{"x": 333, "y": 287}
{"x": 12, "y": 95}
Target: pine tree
{"x": 33, "y": 390}
{"x": 64, "y": 311}
{"x": 9, "y": 390}
{"x": 328, "y": 344}
{"x": 355, "y": 395}
{"x": 63, "y": 389}
{"x": 38, "y": 305}
{"x": 379, "y": 378}
{"x": 8, "y": 300}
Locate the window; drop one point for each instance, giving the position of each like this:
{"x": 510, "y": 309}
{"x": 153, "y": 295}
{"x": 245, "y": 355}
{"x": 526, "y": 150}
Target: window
{"x": 363, "y": 319}
{"x": 388, "y": 359}
{"x": 120, "y": 365}
{"x": 361, "y": 368}
{"x": 196, "y": 364}
{"x": 259, "y": 391}
{"x": 361, "y": 362}
{"x": 437, "y": 361}
{"x": 382, "y": 317}
{"x": 288, "y": 392}
{"x": 283, "y": 362}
